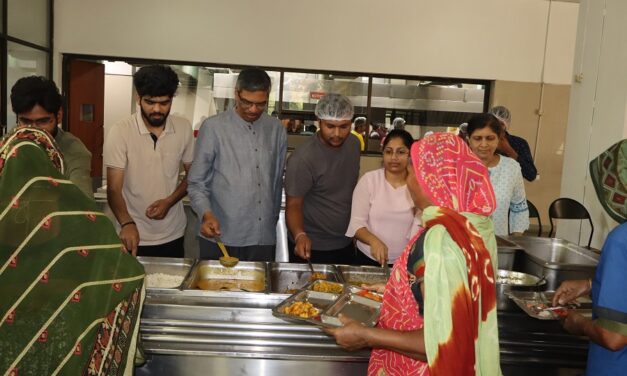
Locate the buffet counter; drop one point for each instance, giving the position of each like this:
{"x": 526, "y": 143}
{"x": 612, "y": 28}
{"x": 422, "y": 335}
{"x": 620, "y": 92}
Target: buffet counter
{"x": 190, "y": 331}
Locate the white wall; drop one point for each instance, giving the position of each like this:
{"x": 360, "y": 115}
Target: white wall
{"x": 487, "y": 39}
{"x": 118, "y": 99}
{"x": 598, "y": 106}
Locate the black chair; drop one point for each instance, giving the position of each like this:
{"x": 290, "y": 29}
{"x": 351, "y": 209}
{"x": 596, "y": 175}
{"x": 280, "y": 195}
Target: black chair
{"x": 567, "y": 208}
{"x": 533, "y": 213}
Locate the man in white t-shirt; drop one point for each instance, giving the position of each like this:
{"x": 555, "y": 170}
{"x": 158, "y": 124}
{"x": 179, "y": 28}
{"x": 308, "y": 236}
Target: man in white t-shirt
{"x": 143, "y": 154}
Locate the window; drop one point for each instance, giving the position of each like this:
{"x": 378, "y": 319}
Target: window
{"x": 22, "y": 61}
{"x": 425, "y": 103}
{"x": 25, "y": 48}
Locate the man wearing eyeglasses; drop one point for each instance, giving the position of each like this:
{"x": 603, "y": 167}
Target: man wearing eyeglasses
{"x": 143, "y": 154}
{"x": 236, "y": 180}
{"x": 36, "y": 102}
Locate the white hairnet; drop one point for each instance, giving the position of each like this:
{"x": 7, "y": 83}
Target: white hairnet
{"x": 463, "y": 127}
{"x": 360, "y": 121}
{"x": 398, "y": 123}
{"x": 334, "y": 107}
{"x": 502, "y": 113}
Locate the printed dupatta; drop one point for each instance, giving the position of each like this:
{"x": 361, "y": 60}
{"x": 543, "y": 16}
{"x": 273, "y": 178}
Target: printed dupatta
{"x": 70, "y": 299}
{"x": 460, "y": 328}
{"x": 608, "y": 173}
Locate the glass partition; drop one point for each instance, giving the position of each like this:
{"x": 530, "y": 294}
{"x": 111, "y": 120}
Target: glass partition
{"x": 301, "y": 92}
{"x": 22, "y": 61}
{"x": 207, "y": 91}
{"x": 425, "y": 105}
{"x": 28, "y": 20}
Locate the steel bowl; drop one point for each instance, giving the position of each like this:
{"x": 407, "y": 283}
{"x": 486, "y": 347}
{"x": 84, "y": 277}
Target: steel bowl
{"x": 507, "y": 280}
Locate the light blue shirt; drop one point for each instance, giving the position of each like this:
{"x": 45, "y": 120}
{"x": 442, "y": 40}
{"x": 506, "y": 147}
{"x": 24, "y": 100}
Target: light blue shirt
{"x": 511, "y": 201}
{"x": 237, "y": 174}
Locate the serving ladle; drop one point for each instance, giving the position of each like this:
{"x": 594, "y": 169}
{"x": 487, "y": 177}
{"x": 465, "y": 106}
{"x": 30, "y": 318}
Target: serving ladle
{"x": 226, "y": 260}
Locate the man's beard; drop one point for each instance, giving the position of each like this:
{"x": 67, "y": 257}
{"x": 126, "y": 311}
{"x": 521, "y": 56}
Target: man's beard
{"x": 155, "y": 122}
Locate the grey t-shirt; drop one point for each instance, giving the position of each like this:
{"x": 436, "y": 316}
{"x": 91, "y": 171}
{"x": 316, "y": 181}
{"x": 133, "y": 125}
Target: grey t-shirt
{"x": 325, "y": 177}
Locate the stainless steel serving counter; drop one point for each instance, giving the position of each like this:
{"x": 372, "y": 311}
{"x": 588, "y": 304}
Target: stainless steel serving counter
{"x": 555, "y": 259}
{"x": 227, "y": 333}
{"x": 197, "y": 332}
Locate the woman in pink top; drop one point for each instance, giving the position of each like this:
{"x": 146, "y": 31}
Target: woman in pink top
{"x": 383, "y": 216}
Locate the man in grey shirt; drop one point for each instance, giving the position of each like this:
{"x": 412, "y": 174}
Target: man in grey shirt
{"x": 319, "y": 181}
{"x": 235, "y": 181}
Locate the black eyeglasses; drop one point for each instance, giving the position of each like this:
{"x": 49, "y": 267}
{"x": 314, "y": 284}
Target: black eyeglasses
{"x": 245, "y": 103}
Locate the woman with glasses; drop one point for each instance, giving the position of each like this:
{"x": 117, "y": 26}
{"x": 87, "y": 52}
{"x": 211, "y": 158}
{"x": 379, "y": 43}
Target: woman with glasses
{"x": 383, "y": 216}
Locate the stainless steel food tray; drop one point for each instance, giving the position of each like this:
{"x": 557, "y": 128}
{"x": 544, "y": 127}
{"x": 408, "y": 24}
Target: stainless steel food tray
{"x": 557, "y": 253}
{"x": 529, "y": 301}
{"x": 286, "y": 276}
{"x": 356, "y": 307}
{"x": 213, "y": 270}
{"x": 365, "y": 293}
{"x": 356, "y": 275}
{"x": 350, "y": 303}
{"x": 166, "y": 265}
{"x": 319, "y": 300}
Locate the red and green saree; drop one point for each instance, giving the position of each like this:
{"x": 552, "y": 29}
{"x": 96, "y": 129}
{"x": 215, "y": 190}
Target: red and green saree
{"x": 70, "y": 298}
{"x": 457, "y": 266}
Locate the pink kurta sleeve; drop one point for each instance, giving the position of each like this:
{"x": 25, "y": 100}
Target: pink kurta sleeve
{"x": 361, "y": 205}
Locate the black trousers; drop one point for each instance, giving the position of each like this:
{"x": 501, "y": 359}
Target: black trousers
{"x": 175, "y": 248}
{"x": 210, "y": 251}
{"x": 345, "y": 256}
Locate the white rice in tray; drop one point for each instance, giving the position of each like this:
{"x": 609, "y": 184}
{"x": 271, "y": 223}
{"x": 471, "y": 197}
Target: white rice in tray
{"x": 163, "y": 281}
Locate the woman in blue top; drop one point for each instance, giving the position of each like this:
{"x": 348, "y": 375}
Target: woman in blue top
{"x": 511, "y": 215}
{"x": 607, "y": 330}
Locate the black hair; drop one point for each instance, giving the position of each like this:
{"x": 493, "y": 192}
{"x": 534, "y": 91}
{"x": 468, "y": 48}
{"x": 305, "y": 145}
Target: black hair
{"x": 481, "y": 121}
{"x": 399, "y": 133}
{"x": 155, "y": 81}
{"x": 253, "y": 79}
{"x": 311, "y": 128}
{"x": 31, "y": 91}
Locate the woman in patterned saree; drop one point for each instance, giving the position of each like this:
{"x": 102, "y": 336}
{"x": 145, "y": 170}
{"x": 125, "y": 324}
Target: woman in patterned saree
{"x": 449, "y": 266}
{"x": 70, "y": 299}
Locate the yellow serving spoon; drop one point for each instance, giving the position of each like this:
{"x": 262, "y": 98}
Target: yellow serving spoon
{"x": 226, "y": 260}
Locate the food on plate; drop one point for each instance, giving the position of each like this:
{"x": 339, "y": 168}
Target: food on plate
{"x": 324, "y": 286}
{"x": 304, "y": 310}
{"x": 544, "y": 311}
{"x": 291, "y": 291}
{"x": 317, "y": 275}
{"x": 367, "y": 281}
{"x": 545, "y": 314}
{"x": 162, "y": 280}
{"x": 370, "y": 295}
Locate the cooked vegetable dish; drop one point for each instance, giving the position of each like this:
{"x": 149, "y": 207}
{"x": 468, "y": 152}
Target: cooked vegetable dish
{"x": 304, "y": 310}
